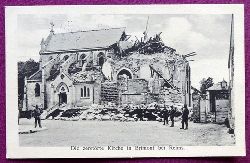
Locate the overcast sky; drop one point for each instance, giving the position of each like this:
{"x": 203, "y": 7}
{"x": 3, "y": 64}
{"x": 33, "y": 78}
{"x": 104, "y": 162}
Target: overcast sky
{"x": 207, "y": 35}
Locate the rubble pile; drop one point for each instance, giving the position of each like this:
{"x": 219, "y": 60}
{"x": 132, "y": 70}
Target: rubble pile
{"x": 73, "y": 68}
{"x": 148, "y": 46}
{"x": 87, "y": 76}
{"x": 55, "y": 113}
{"x": 112, "y": 112}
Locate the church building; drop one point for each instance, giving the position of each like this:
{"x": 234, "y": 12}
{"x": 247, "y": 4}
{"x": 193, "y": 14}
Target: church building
{"x": 93, "y": 67}
{"x": 64, "y": 60}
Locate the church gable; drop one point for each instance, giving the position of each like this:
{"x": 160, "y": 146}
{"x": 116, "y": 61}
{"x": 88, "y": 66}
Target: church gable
{"x": 62, "y": 77}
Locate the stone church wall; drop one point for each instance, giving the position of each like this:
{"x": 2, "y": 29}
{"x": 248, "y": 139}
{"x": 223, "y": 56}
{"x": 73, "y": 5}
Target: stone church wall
{"x": 32, "y": 100}
{"x": 109, "y": 92}
{"x": 81, "y": 101}
{"x": 97, "y": 93}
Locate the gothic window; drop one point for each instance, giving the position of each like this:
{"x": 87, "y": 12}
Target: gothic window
{"x": 87, "y": 92}
{"x": 101, "y": 61}
{"x": 81, "y": 92}
{"x": 37, "y": 90}
{"x": 63, "y": 89}
{"x": 82, "y": 57}
{"x": 65, "y": 57}
{"x": 100, "y": 57}
{"x": 84, "y": 91}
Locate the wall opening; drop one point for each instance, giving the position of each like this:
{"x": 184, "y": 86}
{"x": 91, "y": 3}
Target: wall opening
{"x": 37, "y": 90}
{"x": 82, "y": 59}
{"x": 62, "y": 98}
{"x": 101, "y": 60}
{"x": 65, "y": 57}
{"x": 124, "y": 73}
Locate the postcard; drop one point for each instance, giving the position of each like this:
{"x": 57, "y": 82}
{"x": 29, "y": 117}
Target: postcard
{"x": 125, "y": 81}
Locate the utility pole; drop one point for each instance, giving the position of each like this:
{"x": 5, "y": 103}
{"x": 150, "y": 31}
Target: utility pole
{"x": 146, "y": 31}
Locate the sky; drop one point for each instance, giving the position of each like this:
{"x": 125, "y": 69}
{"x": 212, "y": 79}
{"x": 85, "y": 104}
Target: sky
{"x": 207, "y": 35}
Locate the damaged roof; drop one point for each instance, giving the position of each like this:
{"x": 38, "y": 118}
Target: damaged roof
{"x": 87, "y": 76}
{"x": 93, "y": 39}
{"x": 217, "y": 87}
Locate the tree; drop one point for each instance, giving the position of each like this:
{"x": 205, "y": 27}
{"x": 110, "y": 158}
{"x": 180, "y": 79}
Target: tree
{"x": 25, "y": 69}
{"x": 205, "y": 84}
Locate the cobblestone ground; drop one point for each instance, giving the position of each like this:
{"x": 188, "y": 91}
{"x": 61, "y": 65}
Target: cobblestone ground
{"x": 104, "y": 133}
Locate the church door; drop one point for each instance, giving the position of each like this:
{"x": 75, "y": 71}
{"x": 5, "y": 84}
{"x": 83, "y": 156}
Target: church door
{"x": 62, "y": 98}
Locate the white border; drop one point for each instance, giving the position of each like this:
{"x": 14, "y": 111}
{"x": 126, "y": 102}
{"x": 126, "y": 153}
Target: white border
{"x": 13, "y": 149}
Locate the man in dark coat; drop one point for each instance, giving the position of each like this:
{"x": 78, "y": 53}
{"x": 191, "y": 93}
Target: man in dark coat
{"x": 165, "y": 115}
{"x": 140, "y": 113}
{"x": 185, "y": 114}
{"x": 172, "y": 114}
{"x": 37, "y": 114}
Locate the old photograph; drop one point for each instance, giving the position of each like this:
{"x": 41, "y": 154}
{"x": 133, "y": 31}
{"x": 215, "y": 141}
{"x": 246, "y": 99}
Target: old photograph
{"x": 108, "y": 81}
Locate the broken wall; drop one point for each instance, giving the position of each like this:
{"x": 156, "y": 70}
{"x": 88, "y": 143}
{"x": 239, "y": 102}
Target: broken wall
{"x": 109, "y": 92}
{"x": 135, "y": 99}
{"x": 137, "y": 86}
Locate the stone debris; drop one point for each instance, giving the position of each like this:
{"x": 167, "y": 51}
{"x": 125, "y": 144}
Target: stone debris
{"x": 112, "y": 112}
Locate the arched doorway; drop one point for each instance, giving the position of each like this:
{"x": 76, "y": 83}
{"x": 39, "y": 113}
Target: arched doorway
{"x": 62, "y": 98}
{"x": 63, "y": 91}
{"x": 124, "y": 73}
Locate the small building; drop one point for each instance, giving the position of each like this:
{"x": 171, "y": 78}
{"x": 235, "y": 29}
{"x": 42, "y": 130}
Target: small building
{"x": 218, "y": 102}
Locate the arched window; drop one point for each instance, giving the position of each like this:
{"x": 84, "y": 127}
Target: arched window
{"x": 82, "y": 57}
{"x": 37, "y": 90}
{"x": 124, "y": 72}
{"x": 101, "y": 61}
{"x": 88, "y": 92}
{"x": 81, "y": 92}
{"x": 84, "y": 91}
{"x": 100, "y": 57}
{"x": 65, "y": 57}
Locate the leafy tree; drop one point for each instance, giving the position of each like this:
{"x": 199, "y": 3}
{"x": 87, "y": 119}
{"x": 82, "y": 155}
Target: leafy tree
{"x": 205, "y": 84}
{"x": 25, "y": 69}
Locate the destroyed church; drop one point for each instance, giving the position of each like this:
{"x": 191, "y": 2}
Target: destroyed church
{"x": 104, "y": 66}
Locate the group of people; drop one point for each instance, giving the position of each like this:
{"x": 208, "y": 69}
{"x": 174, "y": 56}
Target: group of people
{"x": 172, "y": 113}
{"x": 165, "y": 114}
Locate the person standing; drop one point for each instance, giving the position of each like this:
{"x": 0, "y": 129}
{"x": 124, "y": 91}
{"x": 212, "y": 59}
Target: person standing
{"x": 37, "y": 114}
{"x": 185, "y": 114}
{"x": 140, "y": 113}
{"x": 172, "y": 114}
{"x": 165, "y": 115}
